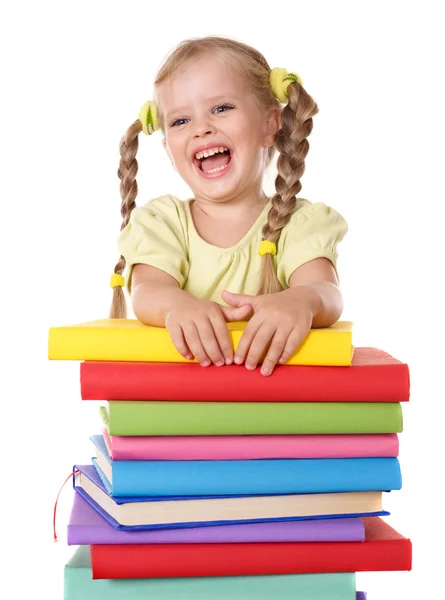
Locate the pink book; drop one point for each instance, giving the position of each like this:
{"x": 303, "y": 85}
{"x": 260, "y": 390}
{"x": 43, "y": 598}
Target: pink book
{"x": 248, "y": 447}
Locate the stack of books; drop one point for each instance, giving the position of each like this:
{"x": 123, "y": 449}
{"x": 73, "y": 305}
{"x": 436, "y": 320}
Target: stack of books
{"x": 219, "y": 482}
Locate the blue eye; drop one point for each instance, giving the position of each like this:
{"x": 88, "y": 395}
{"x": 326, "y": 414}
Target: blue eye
{"x": 177, "y": 122}
{"x": 224, "y": 108}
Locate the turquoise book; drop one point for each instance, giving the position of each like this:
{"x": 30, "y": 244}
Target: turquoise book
{"x": 80, "y": 585}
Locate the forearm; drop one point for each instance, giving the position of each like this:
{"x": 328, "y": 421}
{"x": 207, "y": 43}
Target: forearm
{"x": 152, "y": 301}
{"x": 323, "y": 299}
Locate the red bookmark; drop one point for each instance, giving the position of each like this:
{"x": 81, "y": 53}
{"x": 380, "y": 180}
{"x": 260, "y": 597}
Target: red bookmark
{"x": 57, "y": 499}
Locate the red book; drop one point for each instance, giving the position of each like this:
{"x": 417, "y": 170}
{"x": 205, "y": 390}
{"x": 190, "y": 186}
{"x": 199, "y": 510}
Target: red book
{"x": 384, "y": 549}
{"x": 374, "y": 376}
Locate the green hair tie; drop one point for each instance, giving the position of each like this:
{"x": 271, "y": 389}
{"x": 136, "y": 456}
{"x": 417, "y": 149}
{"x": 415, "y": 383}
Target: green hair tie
{"x": 148, "y": 116}
{"x": 280, "y": 80}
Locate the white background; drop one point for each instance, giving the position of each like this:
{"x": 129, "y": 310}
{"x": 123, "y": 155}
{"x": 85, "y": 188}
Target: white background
{"x": 74, "y": 76}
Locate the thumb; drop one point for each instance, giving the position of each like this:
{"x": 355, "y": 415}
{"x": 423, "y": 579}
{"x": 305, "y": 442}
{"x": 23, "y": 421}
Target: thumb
{"x": 236, "y": 299}
{"x": 236, "y": 314}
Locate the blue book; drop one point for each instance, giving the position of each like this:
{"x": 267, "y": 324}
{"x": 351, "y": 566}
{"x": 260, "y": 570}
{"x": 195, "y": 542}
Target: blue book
{"x": 151, "y": 513}
{"x": 245, "y": 477}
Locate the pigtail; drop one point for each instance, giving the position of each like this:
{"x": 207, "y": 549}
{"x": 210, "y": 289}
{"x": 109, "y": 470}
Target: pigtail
{"x": 291, "y": 142}
{"x": 128, "y": 168}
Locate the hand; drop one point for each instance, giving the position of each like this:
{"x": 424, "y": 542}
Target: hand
{"x": 280, "y": 323}
{"x": 198, "y": 329}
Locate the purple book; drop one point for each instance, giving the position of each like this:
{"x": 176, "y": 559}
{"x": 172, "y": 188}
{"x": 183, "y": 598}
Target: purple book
{"x": 86, "y": 526}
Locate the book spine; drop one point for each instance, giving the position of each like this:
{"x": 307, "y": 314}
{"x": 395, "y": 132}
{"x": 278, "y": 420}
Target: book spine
{"x": 251, "y": 447}
{"x": 322, "y": 347}
{"x": 161, "y": 381}
{"x": 254, "y": 477}
{"x": 80, "y": 585}
{"x": 220, "y": 560}
{"x": 132, "y": 418}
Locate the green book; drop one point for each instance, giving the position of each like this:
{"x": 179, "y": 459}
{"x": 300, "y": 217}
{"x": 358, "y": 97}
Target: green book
{"x": 80, "y": 585}
{"x": 139, "y": 418}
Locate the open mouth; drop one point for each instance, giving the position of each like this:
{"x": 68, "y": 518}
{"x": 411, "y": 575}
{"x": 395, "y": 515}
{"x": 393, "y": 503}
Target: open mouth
{"x": 214, "y": 160}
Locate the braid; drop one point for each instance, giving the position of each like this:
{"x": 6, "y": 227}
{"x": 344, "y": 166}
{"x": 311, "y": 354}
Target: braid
{"x": 291, "y": 142}
{"x": 128, "y": 168}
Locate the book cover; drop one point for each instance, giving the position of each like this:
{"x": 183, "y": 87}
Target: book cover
{"x": 86, "y": 526}
{"x": 374, "y": 376}
{"x": 130, "y": 340}
{"x": 139, "y": 418}
{"x": 152, "y": 513}
{"x": 233, "y": 477}
{"x": 80, "y": 585}
{"x": 250, "y": 447}
{"x": 384, "y": 549}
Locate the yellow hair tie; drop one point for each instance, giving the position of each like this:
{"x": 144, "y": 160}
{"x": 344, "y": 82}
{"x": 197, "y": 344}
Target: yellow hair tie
{"x": 267, "y": 247}
{"x": 280, "y": 80}
{"x": 148, "y": 116}
{"x": 117, "y": 280}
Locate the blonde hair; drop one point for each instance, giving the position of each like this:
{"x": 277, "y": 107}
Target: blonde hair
{"x": 290, "y": 141}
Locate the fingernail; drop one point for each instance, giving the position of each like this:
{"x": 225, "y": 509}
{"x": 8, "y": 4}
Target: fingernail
{"x": 281, "y": 360}
{"x": 205, "y": 363}
{"x": 189, "y": 356}
{"x": 229, "y": 361}
{"x": 238, "y": 360}
{"x": 219, "y": 363}
{"x": 250, "y": 367}
{"x": 266, "y": 371}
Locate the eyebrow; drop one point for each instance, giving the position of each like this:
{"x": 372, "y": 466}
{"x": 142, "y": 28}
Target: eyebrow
{"x": 181, "y": 109}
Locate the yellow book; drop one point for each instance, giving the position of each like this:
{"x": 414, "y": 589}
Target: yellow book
{"x": 129, "y": 340}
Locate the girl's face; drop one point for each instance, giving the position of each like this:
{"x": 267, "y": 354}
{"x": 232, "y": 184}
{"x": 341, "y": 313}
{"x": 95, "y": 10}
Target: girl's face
{"x": 215, "y": 133}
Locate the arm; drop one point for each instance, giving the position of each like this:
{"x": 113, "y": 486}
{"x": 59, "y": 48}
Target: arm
{"x": 197, "y": 327}
{"x": 155, "y": 237}
{"x": 154, "y": 293}
{"x": 284, "y": 319}
{"x": 315, "y": 283}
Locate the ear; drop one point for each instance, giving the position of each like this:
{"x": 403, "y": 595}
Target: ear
{"x": 271, "y": 126}
{"x": 164, "y": 143}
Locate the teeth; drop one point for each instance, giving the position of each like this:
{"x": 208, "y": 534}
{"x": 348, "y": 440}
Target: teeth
{"x": 217, "y": 169}
{"x": 210, "y": 152}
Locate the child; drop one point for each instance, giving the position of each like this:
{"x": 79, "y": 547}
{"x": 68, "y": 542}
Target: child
{"x": 229, "y": 253}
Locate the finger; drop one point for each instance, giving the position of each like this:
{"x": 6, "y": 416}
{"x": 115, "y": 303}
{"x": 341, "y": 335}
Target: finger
{"x": 209, "y": 341}
{"x": 275, "y": 351}
{"x": 246, "y": 339}
{"x": 237, "y": 314}
{"x": 222, "y": 335}
{"x": 260, "y": 344}
{"x": 293, "y": 341}
{"x": 194, "y": 342}
{"x": 235, "y": 299}
{"x": 178, "y": 339}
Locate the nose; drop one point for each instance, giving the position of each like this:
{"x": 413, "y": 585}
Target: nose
{"x": 202, "y": 128}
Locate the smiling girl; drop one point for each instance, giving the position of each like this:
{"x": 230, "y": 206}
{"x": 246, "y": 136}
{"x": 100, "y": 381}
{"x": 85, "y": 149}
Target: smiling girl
{"x": 229, "y": 253}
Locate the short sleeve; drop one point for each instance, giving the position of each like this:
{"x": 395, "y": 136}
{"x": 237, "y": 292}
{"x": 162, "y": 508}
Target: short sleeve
{"x": 313, "y": 232}
{"x": 156, "y": 236}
